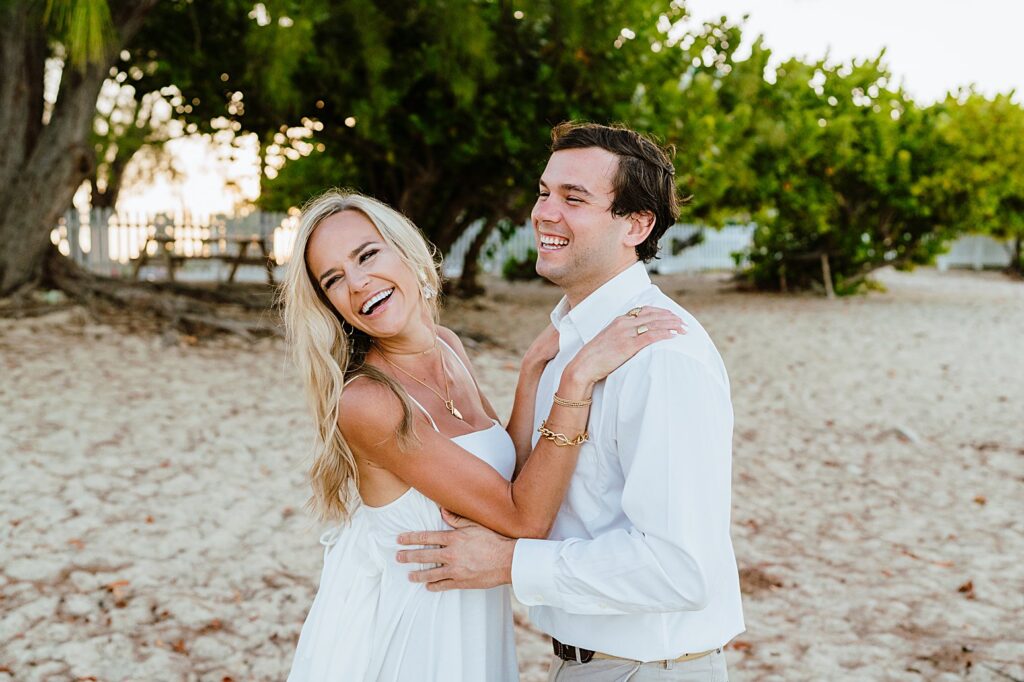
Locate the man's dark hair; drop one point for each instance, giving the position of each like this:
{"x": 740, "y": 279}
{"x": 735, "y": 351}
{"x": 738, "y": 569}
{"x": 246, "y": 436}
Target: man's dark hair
{"x": 644, "y": 181}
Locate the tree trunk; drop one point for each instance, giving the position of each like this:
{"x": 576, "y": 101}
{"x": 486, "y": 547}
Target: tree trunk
{"x": 22, "y": 72}
{"x": 468, "y": 286}
{"x": 112, "y": 187}
{"x": 31, "y": 205}
{"x": 43, "y": 165}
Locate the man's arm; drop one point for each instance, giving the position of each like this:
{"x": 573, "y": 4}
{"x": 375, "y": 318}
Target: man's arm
{"x": 674, "y": 432}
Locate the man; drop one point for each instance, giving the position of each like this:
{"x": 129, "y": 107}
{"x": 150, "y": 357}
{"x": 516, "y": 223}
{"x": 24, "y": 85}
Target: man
{"x": 638, "y": 578}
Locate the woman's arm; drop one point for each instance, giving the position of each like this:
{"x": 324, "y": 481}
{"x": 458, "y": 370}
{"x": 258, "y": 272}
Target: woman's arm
{"x": 459, "y": 481}
{"x": 520, "y": 423}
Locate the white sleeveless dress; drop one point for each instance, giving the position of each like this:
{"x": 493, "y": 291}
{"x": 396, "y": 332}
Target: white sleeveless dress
{"x": 368, "y": 622}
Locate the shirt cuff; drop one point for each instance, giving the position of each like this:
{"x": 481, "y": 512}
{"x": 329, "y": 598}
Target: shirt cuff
{"x": 533, "y": 572}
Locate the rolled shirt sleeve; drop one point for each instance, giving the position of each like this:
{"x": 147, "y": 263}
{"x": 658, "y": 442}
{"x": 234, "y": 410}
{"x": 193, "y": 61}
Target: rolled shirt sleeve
{"x": 673, "y": 427}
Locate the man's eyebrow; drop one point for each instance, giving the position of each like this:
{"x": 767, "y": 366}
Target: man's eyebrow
{"x": 579, "y": 189}
{"x": 352, "y": 254}
{"x": 569, "y": 187}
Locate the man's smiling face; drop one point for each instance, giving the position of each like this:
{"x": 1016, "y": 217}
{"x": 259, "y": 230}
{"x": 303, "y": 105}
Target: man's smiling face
{"x": 580, "y": 244}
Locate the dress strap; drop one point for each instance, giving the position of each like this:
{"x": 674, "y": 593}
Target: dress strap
{"x": 461, "y": 363}
{"x": 469, "y": 374}
{"x": 417, "y": 403}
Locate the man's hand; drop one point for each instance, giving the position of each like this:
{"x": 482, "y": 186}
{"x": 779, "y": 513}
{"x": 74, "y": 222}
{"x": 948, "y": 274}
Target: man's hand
{"x": 471, "y": 556}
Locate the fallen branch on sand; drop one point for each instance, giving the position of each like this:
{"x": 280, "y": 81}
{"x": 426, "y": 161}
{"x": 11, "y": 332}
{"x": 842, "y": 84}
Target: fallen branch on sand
{"x": 243, "y": 311}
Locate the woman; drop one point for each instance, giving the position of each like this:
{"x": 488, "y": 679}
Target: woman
{"x": 401, "y": 430}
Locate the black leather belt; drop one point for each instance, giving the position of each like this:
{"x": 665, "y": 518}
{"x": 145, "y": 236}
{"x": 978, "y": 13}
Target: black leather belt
{"x": 578, "y": 655}
{"x": 571, "y": 653}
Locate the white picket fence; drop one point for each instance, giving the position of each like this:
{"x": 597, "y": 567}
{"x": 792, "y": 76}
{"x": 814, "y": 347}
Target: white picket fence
{"x": 106, "y": 242}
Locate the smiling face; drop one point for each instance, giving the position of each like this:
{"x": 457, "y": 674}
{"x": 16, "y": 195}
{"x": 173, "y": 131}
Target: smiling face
{"x": 364, "y": 278}
{"x": 580, "y": 244}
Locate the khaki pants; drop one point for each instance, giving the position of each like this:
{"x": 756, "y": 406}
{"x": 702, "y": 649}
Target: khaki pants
{"x": 710, "y": 668}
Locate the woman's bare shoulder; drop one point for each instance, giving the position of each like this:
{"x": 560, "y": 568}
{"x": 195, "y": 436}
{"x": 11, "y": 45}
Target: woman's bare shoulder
{"x": 449, "y": 337}
{"x": 453, "y": 340}
{"x": 367, "y": 404}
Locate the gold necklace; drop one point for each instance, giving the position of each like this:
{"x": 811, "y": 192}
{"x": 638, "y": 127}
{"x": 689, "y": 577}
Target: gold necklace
{"x": 411, "y": 352}
{"x": 446, "y": 399}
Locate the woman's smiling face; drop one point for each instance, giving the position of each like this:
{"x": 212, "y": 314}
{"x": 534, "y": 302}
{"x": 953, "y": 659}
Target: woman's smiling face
{"x": 363, "y": 276}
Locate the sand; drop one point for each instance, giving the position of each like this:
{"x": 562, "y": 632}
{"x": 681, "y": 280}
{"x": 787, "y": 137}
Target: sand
{"x": 152, "y": 488}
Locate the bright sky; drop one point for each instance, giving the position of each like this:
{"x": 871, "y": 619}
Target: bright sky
{"x": 207, "y": 184}
{"x": 933, "y": 45}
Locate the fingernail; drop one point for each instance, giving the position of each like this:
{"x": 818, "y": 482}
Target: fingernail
{"x": 673, "y": 332}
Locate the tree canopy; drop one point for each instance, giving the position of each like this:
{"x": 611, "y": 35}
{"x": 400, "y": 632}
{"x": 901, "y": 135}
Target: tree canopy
{"x": 444, "y": 110}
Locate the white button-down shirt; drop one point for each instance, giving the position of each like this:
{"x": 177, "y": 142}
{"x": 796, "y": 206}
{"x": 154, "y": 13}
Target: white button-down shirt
{"x": 639, "y": 563}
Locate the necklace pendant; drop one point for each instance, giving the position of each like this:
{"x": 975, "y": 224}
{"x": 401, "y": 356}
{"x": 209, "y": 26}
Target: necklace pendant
{"x": 450, "y": 404}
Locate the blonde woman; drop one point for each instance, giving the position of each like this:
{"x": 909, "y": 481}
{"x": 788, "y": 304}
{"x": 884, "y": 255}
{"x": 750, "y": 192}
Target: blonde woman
{"x": 402, "y": 430}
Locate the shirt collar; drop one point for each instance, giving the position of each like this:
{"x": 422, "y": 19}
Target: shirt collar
{"x": 597, "y": 310}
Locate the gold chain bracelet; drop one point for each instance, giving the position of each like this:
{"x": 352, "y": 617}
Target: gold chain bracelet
{"x": 572, "y": 403}
{"x": 560, "y": 439}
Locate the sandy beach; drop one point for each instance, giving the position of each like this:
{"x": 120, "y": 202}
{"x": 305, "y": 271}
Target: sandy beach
{"x": 152, "y": 486}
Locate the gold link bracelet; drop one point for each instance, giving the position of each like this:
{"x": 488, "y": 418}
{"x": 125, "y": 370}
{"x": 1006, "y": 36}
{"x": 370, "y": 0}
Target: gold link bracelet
{"x": 560, "y": 439}
{"x": 572, "y": 403}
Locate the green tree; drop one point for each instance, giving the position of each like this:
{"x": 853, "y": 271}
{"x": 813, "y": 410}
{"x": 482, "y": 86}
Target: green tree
{"x": 444, "y": 109}
{"x": 984, "y": 139}
{"x": 843, "y": 162}
{"x": 700, "y": 99}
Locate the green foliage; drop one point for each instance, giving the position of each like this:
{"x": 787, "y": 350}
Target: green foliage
{"x": 514, "y": 269}
{"x": 302, "y": 180}
{"x": 843, "y": 162}
{"x": 983, "y": 141}
{"x": 83, "y": 27}
{"x": 697, "y": 97}
{"x": 445, "y": 109}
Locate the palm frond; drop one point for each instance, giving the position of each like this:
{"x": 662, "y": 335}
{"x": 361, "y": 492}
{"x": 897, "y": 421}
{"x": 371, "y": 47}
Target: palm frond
{"x": 84, "y": 27}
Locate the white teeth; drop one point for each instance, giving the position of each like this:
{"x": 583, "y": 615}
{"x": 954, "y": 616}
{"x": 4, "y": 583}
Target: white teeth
{"x": 380, "y": 296}
{"x": 553, "y": 241}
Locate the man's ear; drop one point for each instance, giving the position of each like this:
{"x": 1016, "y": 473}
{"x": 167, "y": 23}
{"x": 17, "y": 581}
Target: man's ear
{"x": 640, "y": 226}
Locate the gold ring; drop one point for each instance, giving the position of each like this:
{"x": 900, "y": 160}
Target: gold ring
{"x": 642, "y": 329}
{"x": 635, "y": 311}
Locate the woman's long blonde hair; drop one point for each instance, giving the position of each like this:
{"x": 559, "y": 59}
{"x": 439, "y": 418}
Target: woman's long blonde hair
{"x": 328, "y": 351}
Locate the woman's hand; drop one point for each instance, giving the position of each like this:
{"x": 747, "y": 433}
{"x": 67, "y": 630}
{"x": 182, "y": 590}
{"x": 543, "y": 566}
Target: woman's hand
{"x": 543, "y": 348}
{"x": 626, "y": 336}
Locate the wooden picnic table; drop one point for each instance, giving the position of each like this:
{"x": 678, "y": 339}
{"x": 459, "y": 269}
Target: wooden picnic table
{"x": 237, "y": 253}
